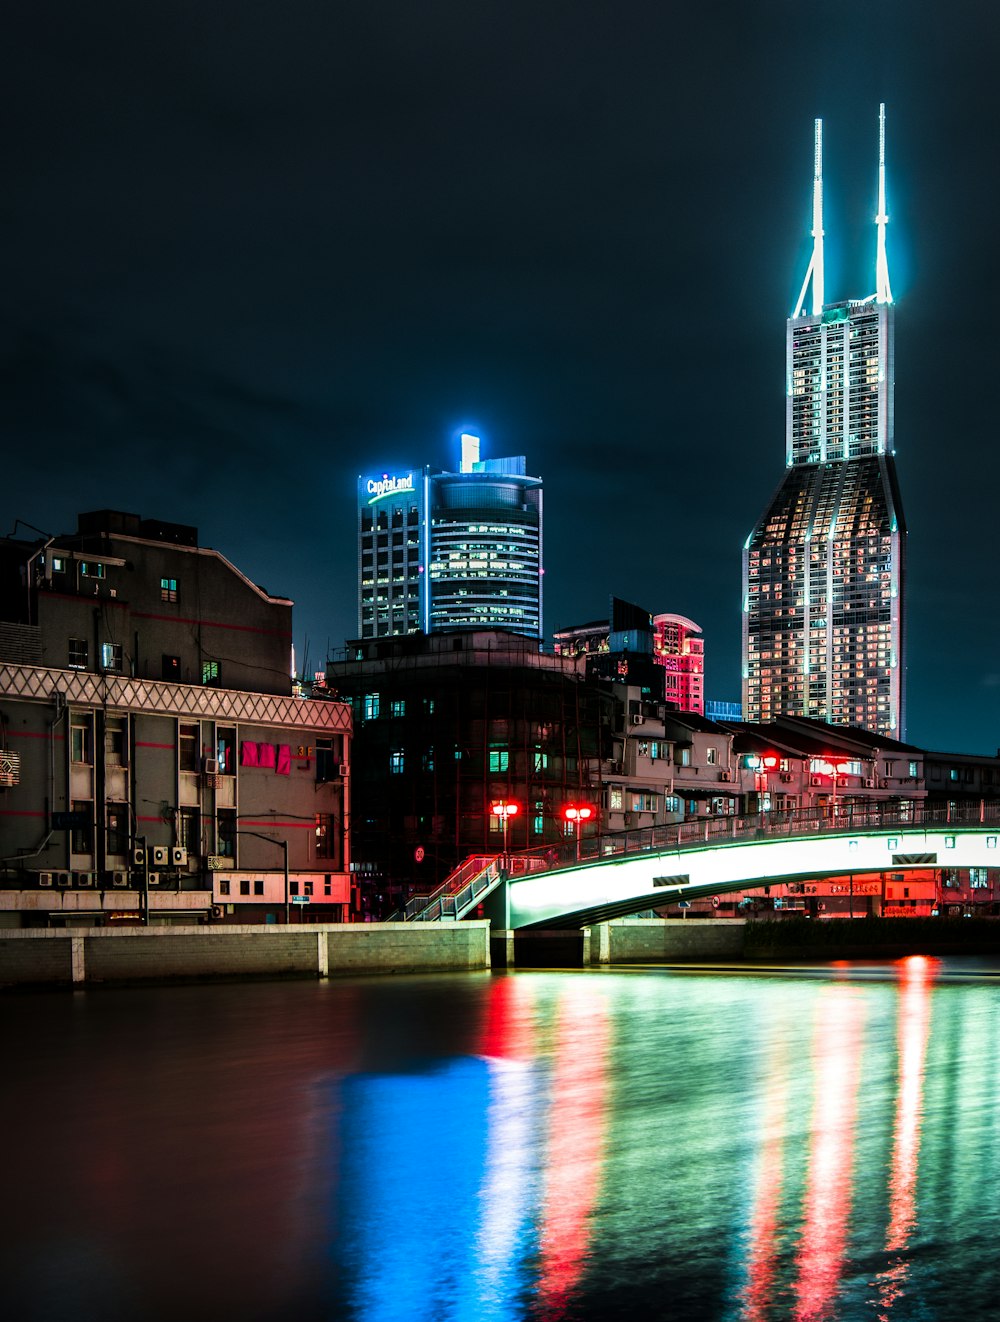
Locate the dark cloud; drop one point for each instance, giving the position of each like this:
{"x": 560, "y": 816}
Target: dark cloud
{"x": 252, "y": 250}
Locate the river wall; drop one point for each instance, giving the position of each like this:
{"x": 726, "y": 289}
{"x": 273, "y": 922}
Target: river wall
{"x": 91, "y": 956}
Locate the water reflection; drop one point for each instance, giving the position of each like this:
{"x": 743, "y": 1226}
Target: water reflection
{"x": 533, "y": 1147}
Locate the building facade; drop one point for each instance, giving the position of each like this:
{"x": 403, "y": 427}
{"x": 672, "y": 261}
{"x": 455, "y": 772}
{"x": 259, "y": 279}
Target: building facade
{"x": 155, "y": 763}
{"x": 451, "y": 551}
{"x": 680, "y": 649}
{"x": 823, "y": 569}
{"x": 446, "y": 727}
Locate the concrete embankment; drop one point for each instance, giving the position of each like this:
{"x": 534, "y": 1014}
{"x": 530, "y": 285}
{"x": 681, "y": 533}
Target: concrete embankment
{"x": 91, "y": 956}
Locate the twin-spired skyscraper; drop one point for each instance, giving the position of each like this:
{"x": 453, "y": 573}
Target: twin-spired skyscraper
{"x": 823, "y": 569}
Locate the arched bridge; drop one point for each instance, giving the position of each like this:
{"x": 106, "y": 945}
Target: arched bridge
{"x": 661, "y": 865}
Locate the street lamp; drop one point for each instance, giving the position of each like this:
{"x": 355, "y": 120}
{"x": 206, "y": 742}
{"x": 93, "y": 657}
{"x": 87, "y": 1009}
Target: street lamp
{"x": 505, "y": 809}
{"x": 760, "y": 764}
{"x": 577, "y": 813}
{"x": 832, "y": 769}
{"x": 284, "y": 850}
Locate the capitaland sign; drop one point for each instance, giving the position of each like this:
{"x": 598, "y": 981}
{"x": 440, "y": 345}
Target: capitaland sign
{"x": 378, "y": 487}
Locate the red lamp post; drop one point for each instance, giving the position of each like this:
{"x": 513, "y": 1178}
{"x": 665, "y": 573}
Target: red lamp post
{"x": 577, "y": 813}
{"x": 505, "y": 809}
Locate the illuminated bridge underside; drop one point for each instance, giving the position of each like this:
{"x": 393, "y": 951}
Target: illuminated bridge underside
{"x": 597, "y": 892}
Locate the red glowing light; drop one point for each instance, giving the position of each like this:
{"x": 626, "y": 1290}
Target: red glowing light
{"x": 578, "y": 812}
{"x": 506, "y": 809}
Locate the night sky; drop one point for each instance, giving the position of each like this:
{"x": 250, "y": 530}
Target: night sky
{"x": 251, "y": 250}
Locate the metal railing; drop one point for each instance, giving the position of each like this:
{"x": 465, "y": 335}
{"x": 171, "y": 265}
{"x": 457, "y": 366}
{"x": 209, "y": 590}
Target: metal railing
{"x": 479, "y": 874}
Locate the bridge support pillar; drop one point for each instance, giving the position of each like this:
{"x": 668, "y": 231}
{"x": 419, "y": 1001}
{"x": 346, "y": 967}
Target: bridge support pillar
{"x": 596, "y": 944}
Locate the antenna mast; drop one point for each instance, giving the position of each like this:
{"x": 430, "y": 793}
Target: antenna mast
{"x": 883, "y": 294}
{"x": 815, "y": 270}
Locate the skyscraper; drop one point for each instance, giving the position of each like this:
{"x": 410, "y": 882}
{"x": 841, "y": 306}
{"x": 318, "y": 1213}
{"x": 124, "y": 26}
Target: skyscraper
{"x": 823, "y": 569}
{"x": 441, "y": 551}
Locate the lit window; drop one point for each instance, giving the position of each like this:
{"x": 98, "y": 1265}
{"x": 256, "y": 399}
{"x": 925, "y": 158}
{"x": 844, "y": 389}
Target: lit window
{"x": 615, "y": 798}
{"x": 168, "y": 589}
{"x": 371, "y": 706}
{"x": 499, "y": 759}
{"x": 397, "y": 762}
{"x": 111, "y": 656}
{"x": 210, "y": 673}
{"x": 398, "y": 707}
{"x": 92, "y": 569}
{"x": 324, "y": 835}
{"x": 82, "y": 739}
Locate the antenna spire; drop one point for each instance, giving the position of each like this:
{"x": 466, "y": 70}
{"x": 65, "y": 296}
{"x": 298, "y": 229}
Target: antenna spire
{"x": 815, "y": 270}
{"x": 883, "y": 294}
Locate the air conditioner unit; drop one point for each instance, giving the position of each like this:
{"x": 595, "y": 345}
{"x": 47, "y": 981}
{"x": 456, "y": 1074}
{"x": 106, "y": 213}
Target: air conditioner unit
{"x": 138, "y": 857}
{"x": 45, "y": 878}
{"x": 62, "y": 878}
{"x": 815, "y": 780}
{"x": 179, "y": 856}
{"x": 210, "y": 766}
{"x": 638, "y": 720}
{"x": 153, "y": 878}
{"x": 725, "y": 775}
{"x": 85, "y": 879}
{"x": 883, "y": 784}
{"x": 869, "y": 782}
{"x": 160, "y": 856}
{"x": 344, "y": 770}
{"x": 786, "y": 776}
{"x": 119, "y": 878}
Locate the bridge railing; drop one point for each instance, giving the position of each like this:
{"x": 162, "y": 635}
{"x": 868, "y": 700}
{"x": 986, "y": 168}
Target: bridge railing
{"x": 830, "y": 819}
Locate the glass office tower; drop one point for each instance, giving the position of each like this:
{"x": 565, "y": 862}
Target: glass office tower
{"x": 443, "y": 551}
{"x": 823, "y": 569}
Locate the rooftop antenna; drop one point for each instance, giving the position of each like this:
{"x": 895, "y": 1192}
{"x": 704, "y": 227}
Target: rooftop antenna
{"x": 883, "y": 294}
{"x": 815, "y": 271}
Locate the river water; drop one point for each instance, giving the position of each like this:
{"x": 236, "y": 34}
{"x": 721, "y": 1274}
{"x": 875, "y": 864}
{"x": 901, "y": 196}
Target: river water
{"x": 801, "y": 1144}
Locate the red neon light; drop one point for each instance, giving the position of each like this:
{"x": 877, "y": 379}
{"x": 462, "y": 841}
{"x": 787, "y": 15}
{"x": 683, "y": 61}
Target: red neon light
{"x": 578, "y": 812}
{"x": 506, "y": 809}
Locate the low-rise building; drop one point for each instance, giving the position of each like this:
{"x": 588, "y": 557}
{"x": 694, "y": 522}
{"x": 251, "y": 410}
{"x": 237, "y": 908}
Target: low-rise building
{"x": 154, "y": 763}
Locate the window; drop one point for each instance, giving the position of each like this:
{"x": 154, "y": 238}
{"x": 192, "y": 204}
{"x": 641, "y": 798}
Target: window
{"x": 398, "y": 707}
{"x": 537, "y": 824}
{"x": 116, "y": 741}
{"x": 913, "y": 769}
{"x": 226, "y": 827}
{"x": 326, "y": 768}
{"x": 92, "y": 569}
{"x": 78, "y": 654}
{"x": 111, "y": 656}
{"x": 81, "y": 739}
{"x": 168, "y": 589}
{"x": 258, "y": 888}
{"x": 324, "y": 835}
{"x": 188, "y": 747}
{"x": 171, "y": 671}
{"x": 224, "y": 887}
{"x": 643, "y": 802}
{"x": 245, "y": 887}
{"x": 499, "y": 759}
{"x": 210, "y": 674}
{"x": 371, "y": 706}
{"x": 117, "y": 841}
{"x": 58, "y": 564}
{"x": 82, "y": 834}
{"x": 427, "y": 759}
{"x": 979, "y": 878}
{"x": 188, "y": 830}
{"x": 307, "y": 886}
{"x": 397, "y": 761}
{"x": 226, "y": 750}
{"x": 293, "y": 888}
{"x": 615, "y": 798}
{"x": 541, "y": 760}
{"x": 711, "y": 756}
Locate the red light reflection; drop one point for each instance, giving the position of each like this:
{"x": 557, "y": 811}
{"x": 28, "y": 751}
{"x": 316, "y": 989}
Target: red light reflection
{"x": 575, "y": 1148}
{"x": 836, "y": 1066}
{"x": 917, "y": 976}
